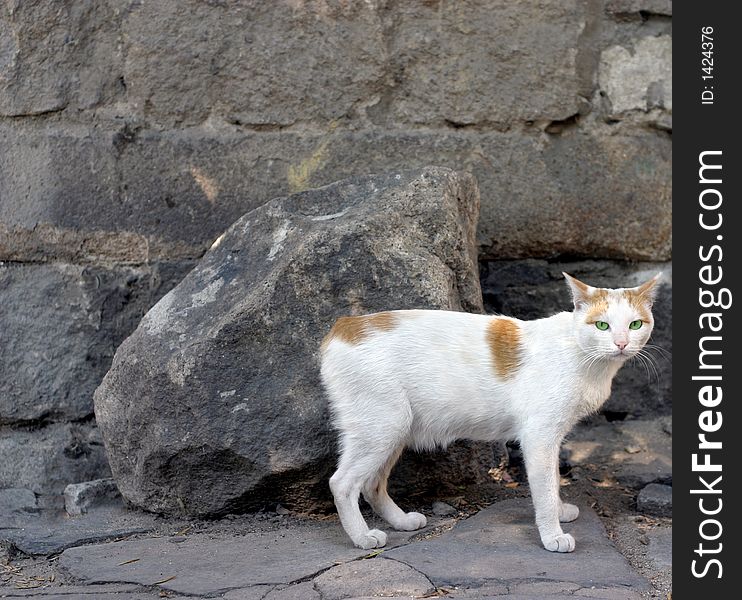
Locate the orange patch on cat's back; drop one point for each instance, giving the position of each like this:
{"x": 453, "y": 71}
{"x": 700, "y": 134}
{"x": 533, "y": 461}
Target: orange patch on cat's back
{"x": 504, "y": 340}
{"x": 353, "y": 330}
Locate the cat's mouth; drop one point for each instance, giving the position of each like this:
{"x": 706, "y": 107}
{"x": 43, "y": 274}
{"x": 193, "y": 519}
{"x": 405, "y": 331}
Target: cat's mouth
{"x": 621, "y": 354}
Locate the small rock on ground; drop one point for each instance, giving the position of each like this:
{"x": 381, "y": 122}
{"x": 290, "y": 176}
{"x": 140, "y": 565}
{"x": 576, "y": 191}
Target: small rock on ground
{"x": 79, "y": 497}
{"x": 443, "y": 510}
{"x": 655, "y": 499}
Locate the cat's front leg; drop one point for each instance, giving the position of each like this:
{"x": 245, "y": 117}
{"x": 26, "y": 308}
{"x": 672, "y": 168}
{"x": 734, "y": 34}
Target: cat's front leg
{"x": 541, "y": 463}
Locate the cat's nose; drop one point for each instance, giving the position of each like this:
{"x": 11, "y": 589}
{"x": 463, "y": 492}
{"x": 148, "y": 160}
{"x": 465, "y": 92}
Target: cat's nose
{"x": 621, "y": 345}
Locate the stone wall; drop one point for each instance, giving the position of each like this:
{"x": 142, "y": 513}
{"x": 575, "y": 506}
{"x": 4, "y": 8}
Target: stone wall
{"x": 133, "y": 133}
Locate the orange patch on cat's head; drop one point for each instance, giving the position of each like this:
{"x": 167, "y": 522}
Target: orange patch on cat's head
{"x": 642, "y": 297}
{"x": 353, "y": 330}
{"x": 597, "y": 304}
{"x": 593, "y": 300}
{"x": 639, "y": 304}
{"x": 504, "y": 340}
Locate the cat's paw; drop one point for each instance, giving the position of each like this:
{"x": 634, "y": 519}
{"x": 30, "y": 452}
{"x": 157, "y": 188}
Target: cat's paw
{"x": 411, "y": 522}
{"x": 563, "y": 542}
{"x": 375, "y": 538}
{"x": 568, "y": 512}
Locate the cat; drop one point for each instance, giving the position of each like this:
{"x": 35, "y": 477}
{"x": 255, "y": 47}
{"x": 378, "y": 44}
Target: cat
{"x": 424, "y": 378}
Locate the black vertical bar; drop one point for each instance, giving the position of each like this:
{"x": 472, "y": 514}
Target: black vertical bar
{"x": 706, "y": 99}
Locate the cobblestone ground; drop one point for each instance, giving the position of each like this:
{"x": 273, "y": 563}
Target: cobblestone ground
{"x": 481, "y": 544}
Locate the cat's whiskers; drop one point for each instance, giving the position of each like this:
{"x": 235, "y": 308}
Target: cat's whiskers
{"x": 650, "y": 361}
{"x": 599, "y": 361}
{"x": 588, "y": 360}
{"x": 640, "y": 359}
{"x": 647, "y": 361}
{"x": 592, "y": 355}
{"x": 589, "y": 352}
{"x": 664, "y": 354}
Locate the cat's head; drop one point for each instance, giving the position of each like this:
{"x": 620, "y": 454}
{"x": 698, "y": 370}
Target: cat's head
{"x": 612, "y": 323}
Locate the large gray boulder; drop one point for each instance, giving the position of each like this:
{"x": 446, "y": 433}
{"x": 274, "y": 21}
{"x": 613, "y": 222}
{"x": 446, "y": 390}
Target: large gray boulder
{"x": 214, "y": 403}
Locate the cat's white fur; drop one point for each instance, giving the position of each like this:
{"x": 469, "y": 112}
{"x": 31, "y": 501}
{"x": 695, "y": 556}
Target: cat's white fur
{"x": 428, "y": 378}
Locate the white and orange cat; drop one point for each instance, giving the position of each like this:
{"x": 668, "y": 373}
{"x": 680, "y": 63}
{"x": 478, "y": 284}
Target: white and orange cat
{"x": 424, "y": 378}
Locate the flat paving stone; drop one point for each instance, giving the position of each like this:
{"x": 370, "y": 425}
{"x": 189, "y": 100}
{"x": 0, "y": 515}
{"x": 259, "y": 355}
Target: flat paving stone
{"x": 69, "y": 590}
{"x": 255, "y": 592}
{"x": 206, "y": 564}
{"x": 541, "y": 590}
{"x": 406, "y": 597}
{"x": 615, "y": 593}
{"x": 544, "y": 588}
{"x": 500, "y": 593}
{"x": 660, "y": 546}
{"x": 52, "y": 532}
{"x": 493, "y": 554}
{"x": 373, "y": 577}
{"x": 299, "y": 591}
{"x": 83, "y": 592}
{"x": 64, "y": 595}
{"x": 501, "y": 544}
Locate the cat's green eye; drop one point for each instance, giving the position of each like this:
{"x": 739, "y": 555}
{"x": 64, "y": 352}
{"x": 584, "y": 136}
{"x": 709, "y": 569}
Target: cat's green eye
{"x": 636, "y": 324}
{"x": 602, "y": 325}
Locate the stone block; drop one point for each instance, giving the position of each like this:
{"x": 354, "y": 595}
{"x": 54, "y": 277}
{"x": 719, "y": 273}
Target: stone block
{"x": 252, "y": 63}
{"x": 45, "y": 460}
{"x": 589, "y": 192}
{"x": 61, "y": 324}
{"x": 55, "y": 55}
{"x": 472, "y": 63}
{"x": 638, "y": 79}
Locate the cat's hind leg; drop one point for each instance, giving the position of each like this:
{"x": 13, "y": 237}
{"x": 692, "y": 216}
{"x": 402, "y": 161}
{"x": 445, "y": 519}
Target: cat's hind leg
{"x": 567, "y": 512}
{"x": 346, "y": 486}
{"x": 374, "y": 418}
{"x": 366, "y": 451}
{"x": 375, "y": 493}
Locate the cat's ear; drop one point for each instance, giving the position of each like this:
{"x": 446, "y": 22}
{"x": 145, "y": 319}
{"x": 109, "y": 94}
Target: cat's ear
{"x": 580, "y": 291}
{"x": 648, "y": 290}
